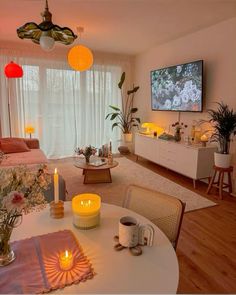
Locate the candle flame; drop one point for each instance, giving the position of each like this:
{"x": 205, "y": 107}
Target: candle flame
{"x": 66, "y": 254}
{"x": 55, "y": 171}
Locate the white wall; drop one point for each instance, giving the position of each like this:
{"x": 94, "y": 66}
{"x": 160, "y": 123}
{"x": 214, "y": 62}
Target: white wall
{"x": 216, "y": 45}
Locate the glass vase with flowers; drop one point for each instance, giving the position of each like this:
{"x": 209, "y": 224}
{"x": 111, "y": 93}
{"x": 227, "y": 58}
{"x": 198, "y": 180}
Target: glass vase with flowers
{"x": 179, "y": 126}
{"x": 88, "y": 151}
{"x": 21, "y": 192}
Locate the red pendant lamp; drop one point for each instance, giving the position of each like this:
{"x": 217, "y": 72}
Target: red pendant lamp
{"x": 13, "y": 70}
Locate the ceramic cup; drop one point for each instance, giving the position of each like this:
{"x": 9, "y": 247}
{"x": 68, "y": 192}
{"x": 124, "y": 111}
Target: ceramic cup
{"x": 131, "y": 233}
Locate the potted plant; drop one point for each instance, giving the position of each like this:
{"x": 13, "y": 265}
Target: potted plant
{"x": 125, "y": 119}
{"x": 224, "y": 123}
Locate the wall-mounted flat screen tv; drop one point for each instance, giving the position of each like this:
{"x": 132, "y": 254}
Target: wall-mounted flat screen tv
{"x": 178, "y": 88}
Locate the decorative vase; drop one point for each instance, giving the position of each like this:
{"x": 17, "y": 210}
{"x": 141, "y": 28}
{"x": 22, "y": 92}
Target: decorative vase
{"x": 87, "y": 158}
{"x": 6, "y": 253}
{"x": 177, "y": 135}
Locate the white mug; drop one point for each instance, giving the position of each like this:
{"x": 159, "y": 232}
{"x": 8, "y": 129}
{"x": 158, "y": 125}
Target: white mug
{"x": 131, "y": 233}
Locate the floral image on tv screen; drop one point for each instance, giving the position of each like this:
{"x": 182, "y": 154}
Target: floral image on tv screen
{"x": 178, "y": 88}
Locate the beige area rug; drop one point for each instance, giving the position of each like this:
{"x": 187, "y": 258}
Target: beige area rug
{"x": 127, "y": 172}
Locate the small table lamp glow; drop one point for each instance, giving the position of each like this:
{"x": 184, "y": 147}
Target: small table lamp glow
{"x": 148, "y": 127}
{"x": 29, "y": 130}
{"x": 86, "y": 210}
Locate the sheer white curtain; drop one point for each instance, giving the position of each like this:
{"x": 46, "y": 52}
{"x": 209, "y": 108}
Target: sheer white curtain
{"x": 67, "y": 108}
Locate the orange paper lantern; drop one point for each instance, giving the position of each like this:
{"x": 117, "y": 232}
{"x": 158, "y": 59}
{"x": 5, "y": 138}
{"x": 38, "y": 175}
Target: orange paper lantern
{"x": 80, "y": 58}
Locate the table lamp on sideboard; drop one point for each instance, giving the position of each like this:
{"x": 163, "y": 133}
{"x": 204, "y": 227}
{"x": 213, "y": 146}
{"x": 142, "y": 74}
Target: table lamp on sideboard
{"x": 149, "y": 126}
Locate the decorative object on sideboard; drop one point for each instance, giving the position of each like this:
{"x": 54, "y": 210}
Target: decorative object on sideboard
{"x": 46, "y": 33}
{"x": 204, "y": 140}
{"x": 224, "y": 123}
{"x": 80, "y": 57}
{"x": 12, "y": 70}
{"x": 149, "y": 127}
{"x": 178, "y": 127}
{"x": 88, "y": 151}
{"x": 29, "y": 129}
{"x": 124, "y": 116}
{"x": 86, "y": 210}
{"x": 21, "y": 192}
{"x": 166, "y": 136}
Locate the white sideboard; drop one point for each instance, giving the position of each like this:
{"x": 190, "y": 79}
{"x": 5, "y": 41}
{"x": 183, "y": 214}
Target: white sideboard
{"x": 193, "y": 161}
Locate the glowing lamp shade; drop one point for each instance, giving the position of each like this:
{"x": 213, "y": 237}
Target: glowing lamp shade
{"x": 13, "y": 70}
{"x": 46, "y": 42}
{"x": 148, "y": 126}
{"x": 80, "y": 58}
{"x": 29, "y": 129}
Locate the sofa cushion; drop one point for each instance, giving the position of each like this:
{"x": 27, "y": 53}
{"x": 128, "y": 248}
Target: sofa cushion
{"x": 32, "y": 143}
{"x": 35, "y": 156}
{"x": 13, "y": 145}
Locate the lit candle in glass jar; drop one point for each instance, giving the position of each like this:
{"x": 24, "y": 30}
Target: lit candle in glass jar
{"x": 66, "y": 260}
{"x": 86, "y": 210}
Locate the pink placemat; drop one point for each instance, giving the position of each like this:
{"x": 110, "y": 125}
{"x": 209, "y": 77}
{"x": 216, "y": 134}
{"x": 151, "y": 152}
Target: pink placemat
{"x": 36, "y": 267}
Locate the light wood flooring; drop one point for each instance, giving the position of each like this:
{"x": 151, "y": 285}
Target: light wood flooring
{"x": 207, "y": 244}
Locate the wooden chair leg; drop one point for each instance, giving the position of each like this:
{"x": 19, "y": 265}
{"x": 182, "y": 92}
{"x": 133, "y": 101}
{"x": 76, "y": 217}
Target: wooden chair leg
{"x": 211, "y": 183}
{"x": 221, "y": 178}
{"x": 230, "y": 182}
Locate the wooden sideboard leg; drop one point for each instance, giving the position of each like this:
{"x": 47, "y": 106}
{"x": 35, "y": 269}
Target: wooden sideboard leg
{"x": 136, "y": 158}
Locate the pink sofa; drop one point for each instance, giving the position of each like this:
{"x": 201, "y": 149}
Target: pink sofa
{"x": 32, "y": 157}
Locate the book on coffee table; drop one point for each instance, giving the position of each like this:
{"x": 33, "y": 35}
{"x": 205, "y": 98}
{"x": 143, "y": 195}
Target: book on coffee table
{"x": 97, "y": 163}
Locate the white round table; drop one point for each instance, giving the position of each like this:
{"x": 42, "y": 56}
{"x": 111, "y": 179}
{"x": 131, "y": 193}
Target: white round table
{"x": 155, "y": 271}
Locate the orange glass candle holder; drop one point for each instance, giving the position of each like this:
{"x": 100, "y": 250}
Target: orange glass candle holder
{"x": 66, "y": 260}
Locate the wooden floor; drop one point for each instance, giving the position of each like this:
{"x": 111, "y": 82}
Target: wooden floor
{"x": 207, "y": 244}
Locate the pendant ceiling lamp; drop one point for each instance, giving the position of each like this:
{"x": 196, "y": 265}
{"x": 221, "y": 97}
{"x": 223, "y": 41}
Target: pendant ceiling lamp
{"x": 12, "y": 70}
{"x": 46, "y": 33}
{"x": 80, "y": 57}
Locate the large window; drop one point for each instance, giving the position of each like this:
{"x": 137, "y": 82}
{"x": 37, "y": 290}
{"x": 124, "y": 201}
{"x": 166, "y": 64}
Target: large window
{"x": 68, "y": 108}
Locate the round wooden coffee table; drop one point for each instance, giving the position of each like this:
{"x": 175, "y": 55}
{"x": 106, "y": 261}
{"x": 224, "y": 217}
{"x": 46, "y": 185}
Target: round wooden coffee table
{"x": 96, "y": 174}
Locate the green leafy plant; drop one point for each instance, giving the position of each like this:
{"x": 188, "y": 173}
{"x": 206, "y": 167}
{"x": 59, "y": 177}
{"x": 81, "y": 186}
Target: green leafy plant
{"x": 224, "y": 122}
{"x": 125, "y": 119}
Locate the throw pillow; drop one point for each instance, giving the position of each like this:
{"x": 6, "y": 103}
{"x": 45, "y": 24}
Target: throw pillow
{"x": 13, "y": 145}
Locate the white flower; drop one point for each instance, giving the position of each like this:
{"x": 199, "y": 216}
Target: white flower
{"x": 14, "y": 202}
{"x": 179, "y": 69}
{"x": 176, "y": 101}
{"x": 167, "y": 104}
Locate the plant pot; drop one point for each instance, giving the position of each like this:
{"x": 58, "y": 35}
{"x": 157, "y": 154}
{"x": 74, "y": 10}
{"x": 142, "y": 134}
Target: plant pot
{"x": 222, "y": 160}
{"x": 127, "y": 137}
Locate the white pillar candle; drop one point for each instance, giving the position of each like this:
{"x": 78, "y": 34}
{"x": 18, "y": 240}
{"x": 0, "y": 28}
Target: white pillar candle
{"x": 56, "y": 186}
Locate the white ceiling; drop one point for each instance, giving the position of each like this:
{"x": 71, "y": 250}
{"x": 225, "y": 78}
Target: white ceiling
{"x": 119, "y": 26}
